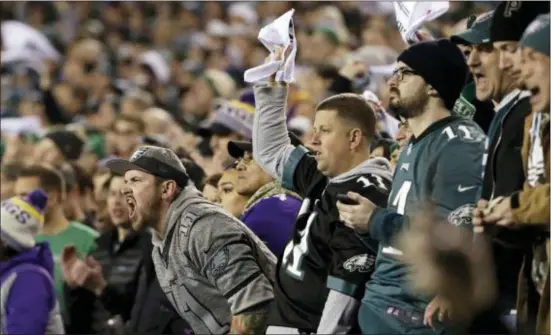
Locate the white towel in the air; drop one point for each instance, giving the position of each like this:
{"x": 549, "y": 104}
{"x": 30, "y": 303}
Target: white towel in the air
{"x": 278, "y": 34}
{"x": 411, "y": 15}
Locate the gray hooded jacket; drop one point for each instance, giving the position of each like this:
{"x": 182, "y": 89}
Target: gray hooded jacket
{"x": 210, "y": 265}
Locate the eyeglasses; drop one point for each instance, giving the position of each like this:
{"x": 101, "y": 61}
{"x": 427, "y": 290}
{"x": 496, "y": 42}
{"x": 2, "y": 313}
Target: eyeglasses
{"x": 399, "y": 73}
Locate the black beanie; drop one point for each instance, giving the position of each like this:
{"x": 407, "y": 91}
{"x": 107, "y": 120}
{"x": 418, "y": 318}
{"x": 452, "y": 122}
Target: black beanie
{"x": 441, "y": 64}
{"x": 68, "y": 143}
{"x": 512, "y": 17}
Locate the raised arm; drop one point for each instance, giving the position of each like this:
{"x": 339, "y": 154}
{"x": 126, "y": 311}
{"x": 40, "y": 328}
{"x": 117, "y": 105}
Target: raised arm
{"x": 272, "y": 146}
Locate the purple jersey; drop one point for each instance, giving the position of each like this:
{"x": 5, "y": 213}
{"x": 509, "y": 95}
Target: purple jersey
{"x": 272, "y": 220}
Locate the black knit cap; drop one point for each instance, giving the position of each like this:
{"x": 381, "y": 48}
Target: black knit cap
{"x": 512, "y": 17}
{"x": 68, "y": 143}
{"x": 441, "y": 64}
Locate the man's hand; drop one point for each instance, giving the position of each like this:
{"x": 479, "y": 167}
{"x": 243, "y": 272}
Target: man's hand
{"x": 478, "y": 216}
{"x": 96, "y": 281}
{"x": 74, "y": 269}
{"x": 356, "y": 216}
{"x": 438, "y": 307}
{"x": 450, "y": 263}
{"x": 499, "y": 212}
{"x": 80, "y": 273}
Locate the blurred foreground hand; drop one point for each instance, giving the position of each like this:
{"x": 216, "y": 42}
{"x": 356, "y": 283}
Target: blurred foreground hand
{"x": 450, "y": 263}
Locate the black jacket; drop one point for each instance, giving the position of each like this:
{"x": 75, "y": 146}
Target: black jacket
{"x": 504, "y": 172}
{"x": 121, "y": 267}
{"x": 121, "y": 264}
{"x": 503, "y": 175}
{"x": 152, "y": 312}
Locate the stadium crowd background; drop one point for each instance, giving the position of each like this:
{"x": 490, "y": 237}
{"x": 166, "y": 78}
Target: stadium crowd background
{"x": 171, "y": 74}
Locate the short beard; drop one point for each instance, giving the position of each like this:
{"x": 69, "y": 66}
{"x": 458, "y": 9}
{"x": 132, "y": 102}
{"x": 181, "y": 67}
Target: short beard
{"x": 412, "y": 108}
{"x": 150, "y": 218}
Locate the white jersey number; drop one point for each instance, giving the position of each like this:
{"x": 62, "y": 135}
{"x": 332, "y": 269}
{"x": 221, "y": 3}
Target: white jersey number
{"x": 299, "y": 249}
{"x": 400, "y": 203}
{"x": 400, "y": 199}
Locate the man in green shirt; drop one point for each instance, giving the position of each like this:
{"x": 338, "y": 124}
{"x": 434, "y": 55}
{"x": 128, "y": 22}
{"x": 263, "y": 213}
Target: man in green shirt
{"x": 57, "y": 230}
{"x": 439, "y": 165}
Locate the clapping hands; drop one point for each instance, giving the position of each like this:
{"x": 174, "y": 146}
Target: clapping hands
{"x": 85, "y": 273}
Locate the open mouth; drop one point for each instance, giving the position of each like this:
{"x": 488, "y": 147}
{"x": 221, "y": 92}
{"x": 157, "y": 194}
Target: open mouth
{"x": 131, "y": 202}
{"x": 118, "y": 212}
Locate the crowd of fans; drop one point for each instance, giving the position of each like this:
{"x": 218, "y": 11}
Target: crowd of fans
{"x": 125, "y": 79}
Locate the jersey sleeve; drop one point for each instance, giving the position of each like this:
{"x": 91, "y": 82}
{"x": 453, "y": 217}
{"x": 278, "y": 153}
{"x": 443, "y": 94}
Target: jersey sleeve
{"x": 457, "y": 179}
{"x": 300, "y": 171}
{"x": 225, "y": 257}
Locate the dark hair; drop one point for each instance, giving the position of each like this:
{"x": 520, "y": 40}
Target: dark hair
{"x": 213, "y": 180}
{"x": 83, "y": 180}
{"x": 49, "y": 179}
{"x": 386, "y": 144}
{"x": 195, "y": 172}
{"x": 327, "y": 71}
{"x": 355, "y": 108}
{"x": 11, "y": 171}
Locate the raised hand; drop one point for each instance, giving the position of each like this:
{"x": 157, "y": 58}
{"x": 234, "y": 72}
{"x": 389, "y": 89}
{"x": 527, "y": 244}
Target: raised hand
{"x": 75, "y": 270}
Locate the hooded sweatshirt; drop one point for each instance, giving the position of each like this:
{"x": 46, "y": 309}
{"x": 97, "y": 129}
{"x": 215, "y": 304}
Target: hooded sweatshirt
{"x": 28, "y": 299}
{"x": 210, "y": 265}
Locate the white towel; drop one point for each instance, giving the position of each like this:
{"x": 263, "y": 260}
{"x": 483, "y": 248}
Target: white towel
{"x": 411, "y": 15}
{"x": 280, "y": 33}
{"x": 18, "y": 125}
{"x": 21, "y": 42}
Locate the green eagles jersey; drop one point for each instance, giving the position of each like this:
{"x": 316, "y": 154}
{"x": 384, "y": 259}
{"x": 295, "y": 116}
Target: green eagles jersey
{"x": 443, "y": 166}
{"x": 77, "y": 234}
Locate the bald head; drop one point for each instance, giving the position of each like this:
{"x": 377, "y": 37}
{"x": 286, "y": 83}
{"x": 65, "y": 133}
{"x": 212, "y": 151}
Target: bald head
{"x": 157, "y": 121}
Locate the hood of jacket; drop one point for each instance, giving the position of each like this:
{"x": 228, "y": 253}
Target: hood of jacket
{"x": 378, "y": 166}
{"x": 189, "y": 195}
{"x": 40, "y": 255}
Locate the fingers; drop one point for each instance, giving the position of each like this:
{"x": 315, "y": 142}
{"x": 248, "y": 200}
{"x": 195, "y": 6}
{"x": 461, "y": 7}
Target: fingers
{"x": 429, "y": 312}
{"x": 492, "y": 206}
{"x": 482, "y": 204}
{"x": 441, "y": 315}
{"x": 505, "y": 222}
{"x": 356, "y": 197}
{"x": 69, "y": 253}
{"x": 92, "y": 262}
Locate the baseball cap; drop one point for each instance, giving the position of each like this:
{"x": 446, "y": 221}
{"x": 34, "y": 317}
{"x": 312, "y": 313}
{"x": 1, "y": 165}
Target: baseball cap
{"x": 237, "y": 149}
{"x": 230, "y": 116}
{"x": 478, "y": 32}
{"x": 157, "y": 161}
{"x": 536, "y": 35}
{"x": 512, "y": 17}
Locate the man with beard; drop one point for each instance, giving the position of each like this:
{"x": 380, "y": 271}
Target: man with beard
{"x": 324, "y": 265}
{"x": 423, "y": 89}
{"x": 111, "y": 273}
{"x": 215, "y": 272}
